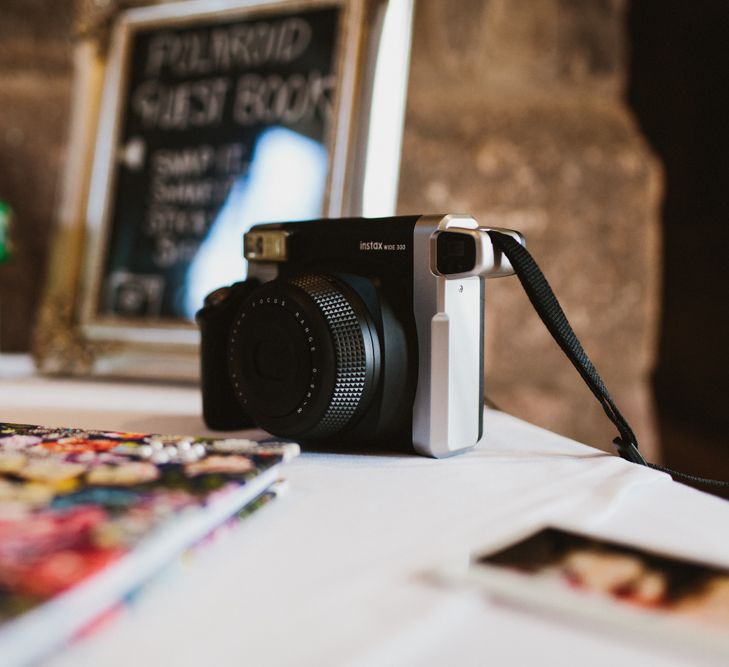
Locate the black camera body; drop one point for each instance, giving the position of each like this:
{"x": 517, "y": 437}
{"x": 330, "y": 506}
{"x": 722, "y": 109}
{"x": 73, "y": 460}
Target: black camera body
{"x": 354, "y": 332}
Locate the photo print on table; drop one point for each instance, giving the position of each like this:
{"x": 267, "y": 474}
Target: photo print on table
{"x": 624, "y": 588}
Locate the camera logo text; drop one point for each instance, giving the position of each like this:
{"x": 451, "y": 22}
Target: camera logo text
{"x": 381, "y": 245}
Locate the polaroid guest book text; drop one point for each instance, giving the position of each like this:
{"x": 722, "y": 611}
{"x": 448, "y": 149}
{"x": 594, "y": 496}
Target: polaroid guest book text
{"x": 176, "y": 96}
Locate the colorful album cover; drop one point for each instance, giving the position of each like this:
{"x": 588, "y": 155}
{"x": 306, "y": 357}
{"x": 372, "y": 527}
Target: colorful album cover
{"x": 87, "y": 516}
{"x": 656, "y": 596}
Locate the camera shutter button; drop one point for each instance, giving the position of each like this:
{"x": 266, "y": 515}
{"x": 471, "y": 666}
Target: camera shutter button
{"x": 216, "y": 297}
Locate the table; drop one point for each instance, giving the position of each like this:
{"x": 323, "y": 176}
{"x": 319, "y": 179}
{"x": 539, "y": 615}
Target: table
{"x": 335, "y": 572}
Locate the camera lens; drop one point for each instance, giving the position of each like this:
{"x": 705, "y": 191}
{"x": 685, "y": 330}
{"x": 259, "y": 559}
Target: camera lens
{"x": 304, "y": 356}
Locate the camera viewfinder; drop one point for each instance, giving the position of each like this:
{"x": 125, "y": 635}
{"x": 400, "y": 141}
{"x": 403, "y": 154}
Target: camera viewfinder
{"x": 455, "y": 253}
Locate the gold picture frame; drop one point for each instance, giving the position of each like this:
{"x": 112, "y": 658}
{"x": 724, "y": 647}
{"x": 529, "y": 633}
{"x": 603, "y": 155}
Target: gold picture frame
{"x": 74, "y": 335}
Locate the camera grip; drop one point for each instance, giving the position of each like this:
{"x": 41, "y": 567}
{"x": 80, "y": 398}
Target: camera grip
{"x": 221, "y": 411}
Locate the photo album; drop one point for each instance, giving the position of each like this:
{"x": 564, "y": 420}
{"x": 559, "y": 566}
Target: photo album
{"x": 87, "y": 517}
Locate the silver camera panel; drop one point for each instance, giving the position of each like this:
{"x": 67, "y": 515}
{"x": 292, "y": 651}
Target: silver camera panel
{"x": 449, "y": 318}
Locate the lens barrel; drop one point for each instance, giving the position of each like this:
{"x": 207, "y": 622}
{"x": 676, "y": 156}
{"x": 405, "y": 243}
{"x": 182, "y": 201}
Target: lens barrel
{"x": 304, "y": 356}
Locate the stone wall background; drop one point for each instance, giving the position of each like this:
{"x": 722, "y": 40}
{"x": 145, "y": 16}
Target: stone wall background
{"x": 516, "y": 115}
{"x": 35, "y": 83}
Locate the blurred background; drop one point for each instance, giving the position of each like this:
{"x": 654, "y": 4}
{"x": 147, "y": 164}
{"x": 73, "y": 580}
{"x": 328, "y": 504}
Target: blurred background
{"x": 596, "y": 127}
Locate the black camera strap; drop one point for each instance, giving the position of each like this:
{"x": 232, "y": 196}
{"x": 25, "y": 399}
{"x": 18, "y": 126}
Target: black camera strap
{"x": 551, "y": 313}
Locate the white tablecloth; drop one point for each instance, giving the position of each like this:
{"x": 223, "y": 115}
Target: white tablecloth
{"x": 333, "y": 572}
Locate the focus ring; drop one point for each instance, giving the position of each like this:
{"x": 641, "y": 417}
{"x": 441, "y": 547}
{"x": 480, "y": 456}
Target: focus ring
{"x": 349, "y": 347}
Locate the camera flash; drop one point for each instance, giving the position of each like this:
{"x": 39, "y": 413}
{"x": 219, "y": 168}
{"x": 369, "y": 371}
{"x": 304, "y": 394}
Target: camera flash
{"x": 266, "y": 246}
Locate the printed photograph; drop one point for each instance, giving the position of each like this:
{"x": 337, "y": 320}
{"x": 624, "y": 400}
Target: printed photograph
{"x": 624, "y": 574}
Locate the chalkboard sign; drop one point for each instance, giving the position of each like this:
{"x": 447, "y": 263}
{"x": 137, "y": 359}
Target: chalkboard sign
{"x": 191, "y": 121}
{"x": 221, "y": 121}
